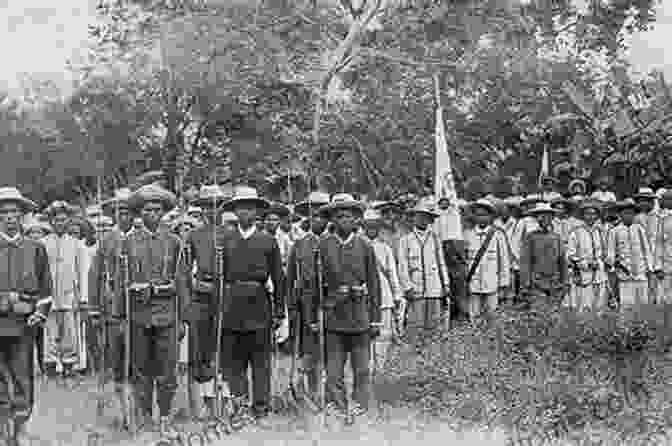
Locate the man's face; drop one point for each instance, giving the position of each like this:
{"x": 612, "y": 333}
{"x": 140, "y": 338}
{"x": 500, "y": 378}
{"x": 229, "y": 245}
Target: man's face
{"x": 372, "y": 230}
{"x": 645, "y": 204}
{"x": 272, "y": 222}
{"x": 35, "y": 234}
{"x": 319, "y": 223}
{"x": 124, "y": 217}
{"x": 422, "y": 220}
{"x": 628, "y": 216}
{"x": 10, "y": 217}
{"x": 482, "y": 217}
{"x": 548, "y": 186}
{"x": 246, "y": 212}
{"x": 345, "y": 220}
{"x": 75, "y": 230}
{"x": 666, "y": 203}
{"x": 198, "y": 215}
{"x": 151, "y": 213}
{"x": 60, "y": 222}
{"x": 444, "y": 204}
{"x": 545, "y": 220}
{"x": 590, "y": 216}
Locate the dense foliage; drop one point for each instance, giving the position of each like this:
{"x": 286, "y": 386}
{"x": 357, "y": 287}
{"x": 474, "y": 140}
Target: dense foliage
{"x": 342, "y": 94}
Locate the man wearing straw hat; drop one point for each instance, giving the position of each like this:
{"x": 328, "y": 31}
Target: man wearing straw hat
{"x": 351, "y": 303}
{"x": 629, "y": 256}
{"x": 25, "y": 302}
{"x": 200, "y": 255}
{"x": 543, "y": 261}
{"x": 250, "y": 314}
{"x": 663, "y": 249}
{"x": 423, "y": 274}
{"x": 158, "y": 293}
{"x": 586, "y": 252}
{"x": 390, "y": 293}
{"x": 488, "y": 261}
{"x": 61, "y": 342}
{"x": 301, "y": 293}
{"x": 36, "y": 229}
{"x": 649, "y": 218}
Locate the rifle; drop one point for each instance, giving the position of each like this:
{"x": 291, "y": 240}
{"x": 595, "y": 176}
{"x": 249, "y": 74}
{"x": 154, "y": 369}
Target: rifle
{"x": 321, "y": 327}
{"x": 221, "y": 288}
{"x": 129, "y": 397}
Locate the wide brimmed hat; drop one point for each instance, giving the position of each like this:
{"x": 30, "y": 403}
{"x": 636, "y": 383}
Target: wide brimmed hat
{"x": 12, "y": 194}
{"x": 513, "y": 201}
{"x": 484, "y": 203}
{"x": 245, "y": 194}
{"x": 646, "y": 193}
{"x": 152, "y": 192}
{"x": 279, "y": 209}
{"x": 542, "y": 208}
{"x": 229, "y": 217}
{"x": 591, "y": 203}
{"x": 150, "y": 177}
{"x": 531, "y": 199}
{"x": 342, "y": 201}
{"x": 58, "y": 207}
{"x": 577, "y": 182}
{"x": 628, "y": 203}
{"x": 209, "y": 195}
{"x": 314, "y": 201}
{"x": 194, "y": 209}
{"x": 119, "y": 200}
{"x": 424, "y": 207}
{"x": 561, "y": 201}
{"x": 372, "y": 216}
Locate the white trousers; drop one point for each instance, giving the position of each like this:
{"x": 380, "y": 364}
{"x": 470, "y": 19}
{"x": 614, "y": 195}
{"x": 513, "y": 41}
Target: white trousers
{"x": 634, "y": 292}
{"x": 591, "y": 297}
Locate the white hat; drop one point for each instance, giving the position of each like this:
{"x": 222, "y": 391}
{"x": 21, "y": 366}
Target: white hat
{"x": 424, "y": 207}
{"x": 12, "y": 194}
{"x": 372, "y": 215}
{"x": 60, "y": 206}
{"x": 342, "y": 201}
{"x": 542, "y": 208}
{"x": 484, "y": 204}
{"x": 245, "y": 194}
{"x": 209, "y": 194}
{"x": 229, "y": 217}
{"x": 152, "y": 192}
{"x": 315, "y": 201}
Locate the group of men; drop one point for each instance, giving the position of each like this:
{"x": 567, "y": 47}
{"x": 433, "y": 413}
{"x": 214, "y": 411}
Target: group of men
{"x": 234, "y": 274}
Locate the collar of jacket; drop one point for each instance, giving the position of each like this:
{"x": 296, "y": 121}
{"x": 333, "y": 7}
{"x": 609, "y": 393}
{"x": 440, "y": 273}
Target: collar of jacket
{"x": 15, "y": 241}
{"x": 247, "y": 233}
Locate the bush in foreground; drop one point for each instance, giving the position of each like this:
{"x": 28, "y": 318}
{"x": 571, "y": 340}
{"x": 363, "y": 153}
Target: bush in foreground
{"x": 552, "y": 370}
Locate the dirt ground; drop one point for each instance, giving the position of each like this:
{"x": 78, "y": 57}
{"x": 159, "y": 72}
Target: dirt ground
{"x": 67, "y": 416}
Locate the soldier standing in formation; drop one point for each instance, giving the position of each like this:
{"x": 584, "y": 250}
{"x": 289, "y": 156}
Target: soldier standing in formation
{"x": 157, "y": 291}
{"x": 302, "y": 302}
{"x": 250, "y": 311}
{"x": 543, "y": 261}
{"x": 202, "y": 268}
{"x": 25, "y": 301}
{"x": 351, "y": 303}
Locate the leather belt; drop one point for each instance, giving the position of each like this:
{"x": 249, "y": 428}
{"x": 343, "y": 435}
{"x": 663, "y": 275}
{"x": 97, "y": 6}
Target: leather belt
{"x": 16, "y": 303}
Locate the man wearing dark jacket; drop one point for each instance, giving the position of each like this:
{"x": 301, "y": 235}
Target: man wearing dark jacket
{"x": 249, "y": 312}
{"x": 351, "y": 303}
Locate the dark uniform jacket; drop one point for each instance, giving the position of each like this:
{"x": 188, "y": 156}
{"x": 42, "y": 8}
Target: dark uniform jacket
{"x": 248, "y": 265}
{"x": 346, "y": 265}
{"x": 105, "y": 282}
{"x": 156, "y": 277}
{"x": 543, "y": 262}
{"x": 25, "y": 283}
{"x": 203, "y": 281}
{"x": 301, "y": 282}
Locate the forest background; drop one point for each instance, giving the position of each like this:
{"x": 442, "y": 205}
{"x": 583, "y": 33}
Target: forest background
{"x": 288, "y": 95}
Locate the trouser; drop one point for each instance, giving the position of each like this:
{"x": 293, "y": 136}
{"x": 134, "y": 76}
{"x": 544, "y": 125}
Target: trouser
{"x": 665, "y": 289}
{"x": 423, "y": 314}
{"x": 633, "y": 292}
{"x": 81, "y": 335}
{"x": 339, "y": 347}
{"x": 310, "y": 356}
{"x": 61, "y": 344}
{"x": 590, "y": 297}
{"x": 112, "y": 353}
{"x": 653, "y": 289}
{"x": 383, "y": 342}
{"x": 202, "y": 345}
{"x": 154, "y": 359}
{"x": 241, "y": 349}
{"x": 16, "y": 377}
{"x": 478, "y": 302}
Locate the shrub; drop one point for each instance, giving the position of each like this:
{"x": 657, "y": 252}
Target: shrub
{"x": 551, "y": 368}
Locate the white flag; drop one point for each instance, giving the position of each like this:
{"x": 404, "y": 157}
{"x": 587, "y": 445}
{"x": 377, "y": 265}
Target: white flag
{"x": 449, "y": 224}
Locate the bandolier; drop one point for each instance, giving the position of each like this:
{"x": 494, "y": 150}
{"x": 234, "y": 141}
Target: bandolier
{"x": 156, "y": 285}
{"x": 25, "y": 301}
